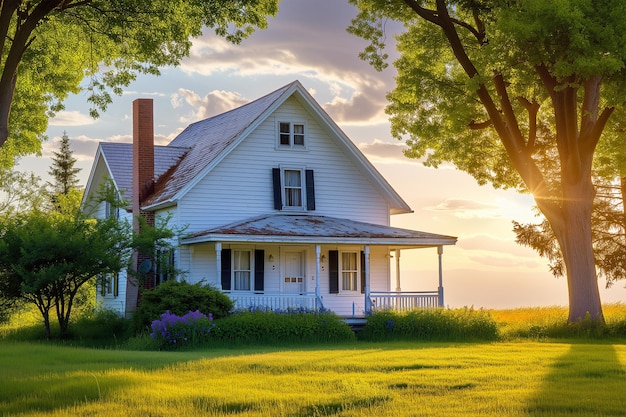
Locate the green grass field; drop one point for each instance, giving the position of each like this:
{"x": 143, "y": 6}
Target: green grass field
{"x": 521, "y": 378}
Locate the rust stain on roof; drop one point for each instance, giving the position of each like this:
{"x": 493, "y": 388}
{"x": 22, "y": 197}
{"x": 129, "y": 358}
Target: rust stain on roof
{"x": 316, "y": 226}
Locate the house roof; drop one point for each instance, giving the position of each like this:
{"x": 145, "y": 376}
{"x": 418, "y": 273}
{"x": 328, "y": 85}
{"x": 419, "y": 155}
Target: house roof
{"x": 301, "y": 228}
{"x": 202, "y": 145}
{"x": 210, "y": 140}
{"x": 117, "y": 157}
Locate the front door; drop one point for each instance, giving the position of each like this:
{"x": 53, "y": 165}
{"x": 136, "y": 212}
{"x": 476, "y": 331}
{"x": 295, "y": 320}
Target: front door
{"x": 294, "y": 272}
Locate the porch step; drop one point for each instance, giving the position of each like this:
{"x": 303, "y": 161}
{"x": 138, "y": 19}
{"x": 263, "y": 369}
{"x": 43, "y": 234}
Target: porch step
{"x": 356, "y": 323}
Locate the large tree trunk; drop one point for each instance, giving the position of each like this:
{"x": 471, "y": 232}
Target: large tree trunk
{"x": 573, "y": 231}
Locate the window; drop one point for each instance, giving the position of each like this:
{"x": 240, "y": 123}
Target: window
{"x": 291, "y": 135}
{"x": 109, "y": 285}
{"x": 242, "y": 270}
{"x": 292, "y": 188}
{"x": 165, "y": 266}
{"x": 349, "y": 271}
{"x": 111, "y": 211}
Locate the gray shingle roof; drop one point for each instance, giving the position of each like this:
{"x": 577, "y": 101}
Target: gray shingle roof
{"x": 206, "y": 140}
{"x": 118, "y": 157}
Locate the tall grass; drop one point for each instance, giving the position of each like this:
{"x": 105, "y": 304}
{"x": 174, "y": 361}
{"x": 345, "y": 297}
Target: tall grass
{"x": 551, "y": 322}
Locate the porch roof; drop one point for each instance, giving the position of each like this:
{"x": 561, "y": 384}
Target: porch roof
{"x": 302, "y": 228}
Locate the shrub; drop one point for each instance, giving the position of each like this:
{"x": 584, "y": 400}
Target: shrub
{"x": 439, "y": 324}
{"x": 103, "y": 327}
{"x": 289, "y": 327}
{"x": 172, "y": 331}
{"x": 179, "y": 298}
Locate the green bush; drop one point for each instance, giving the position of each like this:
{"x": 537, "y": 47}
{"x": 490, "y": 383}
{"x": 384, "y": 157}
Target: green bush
{"x": 440, "y": 324}
{"x": 180, "y": 298}
{"x": 267, "y": 327}
{"x": 102, "y": 328}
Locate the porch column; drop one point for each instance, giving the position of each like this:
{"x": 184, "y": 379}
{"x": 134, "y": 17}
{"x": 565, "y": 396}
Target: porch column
{"x": 398, "y": 289}
{"x": 318, "y": 292}
{"x": 218, "y": 263}
{"x": 439, "y": 254}
{"x": 368, "y": 303}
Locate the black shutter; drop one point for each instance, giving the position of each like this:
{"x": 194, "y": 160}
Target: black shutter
{"x": 226, "y": 275}
{"x": 259, "y": 269}
{"x": 333, "y": 271}
{"x": 362, "y": 272}
{"x": 116, "y": 284}
{"x": 278, "y": 200}
{"x": 310, "y": 190}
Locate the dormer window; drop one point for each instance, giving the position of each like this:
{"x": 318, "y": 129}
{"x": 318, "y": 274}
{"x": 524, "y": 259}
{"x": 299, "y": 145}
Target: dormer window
{"x": 291, "y": 135}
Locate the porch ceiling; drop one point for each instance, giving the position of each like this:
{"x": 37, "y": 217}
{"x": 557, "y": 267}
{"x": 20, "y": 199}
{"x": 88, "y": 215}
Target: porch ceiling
{"x": 301, "y": 228}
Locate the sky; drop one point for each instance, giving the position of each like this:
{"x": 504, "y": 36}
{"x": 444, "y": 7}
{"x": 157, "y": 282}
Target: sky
{"x": 308, "y": 41}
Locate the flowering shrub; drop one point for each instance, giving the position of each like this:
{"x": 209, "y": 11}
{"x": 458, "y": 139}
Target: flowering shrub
{"x": 173, "y": 331}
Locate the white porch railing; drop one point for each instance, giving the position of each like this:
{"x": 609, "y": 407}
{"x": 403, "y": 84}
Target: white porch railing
{"x": 404, "y": 301}
{"x": 275, "y": 301}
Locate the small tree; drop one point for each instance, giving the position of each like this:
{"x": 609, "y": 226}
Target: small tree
{"x": 46, "y": 257}
{"x": 62, "y": 171}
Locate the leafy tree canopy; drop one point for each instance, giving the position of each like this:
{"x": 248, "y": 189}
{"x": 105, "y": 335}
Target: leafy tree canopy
{"x": 518, "y": 94}
{"x": 52, "y": 48}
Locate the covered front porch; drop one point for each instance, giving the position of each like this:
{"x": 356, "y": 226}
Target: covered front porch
{"x": 300, "y": 262}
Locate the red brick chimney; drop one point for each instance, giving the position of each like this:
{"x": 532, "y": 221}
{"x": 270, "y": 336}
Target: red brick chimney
{"x": 143, "y": 154}
{"x": 143, "y": 186}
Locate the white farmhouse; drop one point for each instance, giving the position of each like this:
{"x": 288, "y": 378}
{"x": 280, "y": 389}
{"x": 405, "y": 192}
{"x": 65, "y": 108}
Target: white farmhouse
{"x": 281, "y": 208}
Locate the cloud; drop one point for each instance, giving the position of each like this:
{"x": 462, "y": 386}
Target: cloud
{"x": 468, "y": 209}
{"x": 381, "y": 151}
{"x": 492, "y": 243}
{"x": 71, "y": 118}
{"x": 504, "y": 261}
{"x": 304, "y": 41}
{"x": 215, "y": 102}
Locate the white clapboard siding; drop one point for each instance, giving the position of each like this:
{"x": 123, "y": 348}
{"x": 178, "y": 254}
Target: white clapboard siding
{"x": 240, "y": 186}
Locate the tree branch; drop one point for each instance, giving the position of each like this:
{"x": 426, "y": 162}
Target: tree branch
{"x": 532, "y": 109}
{"x": 20, "y": 43}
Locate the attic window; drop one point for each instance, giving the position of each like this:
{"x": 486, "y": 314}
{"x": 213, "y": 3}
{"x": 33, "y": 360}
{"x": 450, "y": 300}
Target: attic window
{"x": 291, "y": 135}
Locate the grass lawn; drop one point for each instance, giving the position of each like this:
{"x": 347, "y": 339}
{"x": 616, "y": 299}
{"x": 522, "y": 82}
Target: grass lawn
{"x": 518, "y": 378}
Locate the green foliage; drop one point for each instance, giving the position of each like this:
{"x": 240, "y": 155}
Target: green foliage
{"x": 60, "y": 47}
{"x": 424, "y": 325}
{"x": 47, "y": 257}
{"x": 101, "y": 328}
{"x": 62, "y": 171}
{"x": 518, "y": 94}
{"x": 179, "y": 297}
{"x": 21, "y": 192}
{"x": 270, "y": 328}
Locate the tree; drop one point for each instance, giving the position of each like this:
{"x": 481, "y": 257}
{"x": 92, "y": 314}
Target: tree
{"x": 62, "y": 170}
{"x": 517, "y": 93}
{"x": 21, "y": 191}
{"x": 49, "y": 46}
{"x": 46, "y": 257}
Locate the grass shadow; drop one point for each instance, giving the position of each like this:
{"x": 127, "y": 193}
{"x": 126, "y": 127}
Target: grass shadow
{"x": 571, "y": 388}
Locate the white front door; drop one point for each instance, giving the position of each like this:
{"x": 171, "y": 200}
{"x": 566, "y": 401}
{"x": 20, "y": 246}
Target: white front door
{"x": 294, "y": 272}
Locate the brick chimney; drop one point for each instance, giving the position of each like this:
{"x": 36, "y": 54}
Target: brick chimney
{"x": 143, "y": 154}
{"x": 143, "y": 186}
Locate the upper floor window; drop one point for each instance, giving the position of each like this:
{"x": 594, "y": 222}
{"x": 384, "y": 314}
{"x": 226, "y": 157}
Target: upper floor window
{"x": 291, "y": 135}
{"x": 294, "y": 188}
